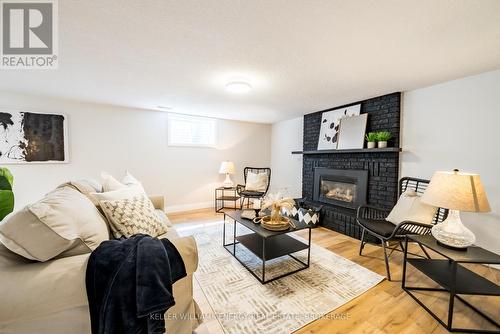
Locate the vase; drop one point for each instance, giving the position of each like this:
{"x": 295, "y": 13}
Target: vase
{"x": 370, "y": 144}
{"x": 275, "y": 214}
{"x": 382, "y": 144}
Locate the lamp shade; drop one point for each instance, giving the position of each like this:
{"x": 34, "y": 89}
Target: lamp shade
{"x": 457, "y": 191}
{"x": 226, "y": 167}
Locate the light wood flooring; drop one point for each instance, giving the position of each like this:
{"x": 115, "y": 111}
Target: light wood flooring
{"x": 385, "y": 308}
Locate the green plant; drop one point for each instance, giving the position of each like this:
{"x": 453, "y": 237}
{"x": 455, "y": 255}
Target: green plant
{"x": 371, "y": 137}
{"x": 383, "y": 136}
{"x": 6, "y": 194}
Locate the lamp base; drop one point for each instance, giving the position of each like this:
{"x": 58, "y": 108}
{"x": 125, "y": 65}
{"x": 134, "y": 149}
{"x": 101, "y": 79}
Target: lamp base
{"x": 452, "y": 233}
{"x": 228, "y": 183}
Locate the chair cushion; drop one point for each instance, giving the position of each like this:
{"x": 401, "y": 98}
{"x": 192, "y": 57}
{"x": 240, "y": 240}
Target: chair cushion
{"x": 256, "y": 182}
{"x": 248, "y": 193}
{"x": 381, "y": 227}
{"x": 410, "y": 207}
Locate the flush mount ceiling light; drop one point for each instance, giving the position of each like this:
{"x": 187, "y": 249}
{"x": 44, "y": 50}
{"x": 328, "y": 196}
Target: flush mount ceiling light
{"x": 238, "y": 87}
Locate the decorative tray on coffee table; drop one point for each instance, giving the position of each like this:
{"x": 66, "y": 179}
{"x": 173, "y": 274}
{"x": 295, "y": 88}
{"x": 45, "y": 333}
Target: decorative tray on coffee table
{"x": 268, "y": 224}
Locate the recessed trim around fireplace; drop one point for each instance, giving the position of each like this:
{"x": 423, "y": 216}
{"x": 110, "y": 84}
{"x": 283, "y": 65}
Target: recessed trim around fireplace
{"x": 348, "y": 189}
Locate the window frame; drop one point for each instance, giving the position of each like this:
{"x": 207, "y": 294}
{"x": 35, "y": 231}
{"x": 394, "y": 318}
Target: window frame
{"x": 184, "y": 117}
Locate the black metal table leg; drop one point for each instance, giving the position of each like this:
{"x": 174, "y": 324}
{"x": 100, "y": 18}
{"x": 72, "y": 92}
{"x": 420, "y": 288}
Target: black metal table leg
{"x": 453, "y": 285}
{"x": 263, "y": 260}
{"x": 224, "y": 231}
{"x": 309, "y": 249}
{"x": 234, "y": 238}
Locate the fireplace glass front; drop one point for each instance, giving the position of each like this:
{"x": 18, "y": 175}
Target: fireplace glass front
{"x": 340, "y": 191}
{"x": 341, "y": 187}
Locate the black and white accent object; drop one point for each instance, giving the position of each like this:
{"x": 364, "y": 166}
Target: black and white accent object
{"x": 330, "y": 126}
{"x": 292, "y": 213}
{"x": 27, "y": 137}
{"x": 308, "y": 216}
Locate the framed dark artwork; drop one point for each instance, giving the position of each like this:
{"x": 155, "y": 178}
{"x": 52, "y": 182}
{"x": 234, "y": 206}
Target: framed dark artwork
{"x": 28, "y": 137}
{"x": 330, "y": 126}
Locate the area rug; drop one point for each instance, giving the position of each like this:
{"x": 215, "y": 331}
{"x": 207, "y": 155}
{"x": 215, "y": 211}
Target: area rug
{"x": 242, "y": 304}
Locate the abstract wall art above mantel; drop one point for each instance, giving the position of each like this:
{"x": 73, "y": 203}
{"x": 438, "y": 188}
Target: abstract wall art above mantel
{"x": 330, "y": 125}
{"x": 27, "y": 137}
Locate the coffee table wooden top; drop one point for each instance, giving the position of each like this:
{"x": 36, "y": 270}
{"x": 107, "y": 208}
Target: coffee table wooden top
{"x": 264, "y": 233}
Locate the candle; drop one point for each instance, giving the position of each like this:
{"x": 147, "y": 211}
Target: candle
{"x": 256, "y": 204}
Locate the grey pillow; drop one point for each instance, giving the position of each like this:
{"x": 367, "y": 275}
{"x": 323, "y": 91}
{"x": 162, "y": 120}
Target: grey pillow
{"x": 63, "y": 223}
{"x": 86, "y": 187}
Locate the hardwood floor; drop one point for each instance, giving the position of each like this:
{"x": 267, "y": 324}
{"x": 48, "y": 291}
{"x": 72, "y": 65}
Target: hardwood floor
{"x": 386, "y": 308}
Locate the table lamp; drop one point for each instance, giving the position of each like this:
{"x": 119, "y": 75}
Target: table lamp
{"x": 457, "y": 192}
{"x": 227, "y": 167}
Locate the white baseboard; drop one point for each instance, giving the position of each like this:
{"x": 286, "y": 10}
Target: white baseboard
{"x": 189, "y": 207}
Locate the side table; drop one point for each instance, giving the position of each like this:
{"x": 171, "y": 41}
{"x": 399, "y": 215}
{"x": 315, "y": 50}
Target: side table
{"x": 223, "y": 195}
{"x": 453, "y": 278}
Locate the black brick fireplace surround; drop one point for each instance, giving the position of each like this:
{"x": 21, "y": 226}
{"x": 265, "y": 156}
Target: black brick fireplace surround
{"x": 383, "y": 167}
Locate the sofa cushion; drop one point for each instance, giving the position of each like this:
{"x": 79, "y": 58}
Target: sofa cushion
{"x": 63, "y": 223}
{"x": 39, "y": 289}
{"x": 60, "y": 285}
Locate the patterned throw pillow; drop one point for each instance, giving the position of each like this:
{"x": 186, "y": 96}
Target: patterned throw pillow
{"x": 133, "y": 216}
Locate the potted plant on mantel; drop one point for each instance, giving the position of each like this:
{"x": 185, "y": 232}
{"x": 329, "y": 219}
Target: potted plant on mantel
{"x": 371, "y": 139}
{"x": 382, "y": 138}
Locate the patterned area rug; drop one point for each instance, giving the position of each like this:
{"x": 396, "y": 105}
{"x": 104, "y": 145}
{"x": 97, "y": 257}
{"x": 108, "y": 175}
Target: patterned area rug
{"x": 242, "y": 304}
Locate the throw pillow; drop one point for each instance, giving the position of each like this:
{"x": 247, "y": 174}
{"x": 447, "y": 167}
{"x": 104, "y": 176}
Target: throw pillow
{"x": 63, "y": 223}
{"x": 109, "y": 183}
{"x": 123, "y": 193}
{"x": 132, "y": 216}
{"x": 120, "y": 194}
{"x": 256, "y": 182}
{"x": 410, "y": 207}
{"x": 86, "y": 187}
{"x": 130, "y": 180}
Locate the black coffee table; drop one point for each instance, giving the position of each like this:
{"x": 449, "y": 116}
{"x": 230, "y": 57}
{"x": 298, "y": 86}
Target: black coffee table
{"x": 265, "y": 244}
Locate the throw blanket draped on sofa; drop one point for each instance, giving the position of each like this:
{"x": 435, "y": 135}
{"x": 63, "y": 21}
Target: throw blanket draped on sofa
{"x": 129, "y": 284}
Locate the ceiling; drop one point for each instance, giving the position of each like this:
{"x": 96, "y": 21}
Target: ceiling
{"x": 300, "y": 56}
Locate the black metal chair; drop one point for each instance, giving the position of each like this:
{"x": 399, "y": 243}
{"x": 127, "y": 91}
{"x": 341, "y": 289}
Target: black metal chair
{"x": 372, "y": 220}
{"x": 247, "y": 194}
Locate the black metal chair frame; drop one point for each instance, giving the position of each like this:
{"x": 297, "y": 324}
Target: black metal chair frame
{"x": 240, "y": 188}
{"x": 402, "y": 229}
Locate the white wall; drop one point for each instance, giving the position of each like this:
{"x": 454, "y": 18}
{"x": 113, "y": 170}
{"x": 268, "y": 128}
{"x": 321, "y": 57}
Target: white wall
{"x": 456, "y": 125}
{"x": 287, "y": 168}
{"x": 114, "y": 139}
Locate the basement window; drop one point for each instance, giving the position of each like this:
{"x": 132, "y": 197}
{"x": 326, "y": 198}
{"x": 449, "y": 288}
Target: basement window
{"x": 184, "y": 130}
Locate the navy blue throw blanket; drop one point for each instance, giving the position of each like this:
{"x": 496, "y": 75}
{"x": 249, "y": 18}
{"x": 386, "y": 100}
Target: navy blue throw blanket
{"x": 129, "y": 284}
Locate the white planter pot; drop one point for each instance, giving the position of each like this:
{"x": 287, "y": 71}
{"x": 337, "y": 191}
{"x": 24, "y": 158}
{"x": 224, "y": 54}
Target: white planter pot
{"x": 370, "y": 144}
{"x": 382, "y": 144}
